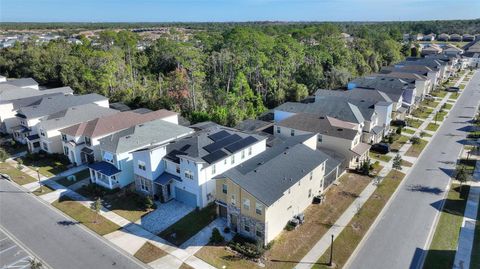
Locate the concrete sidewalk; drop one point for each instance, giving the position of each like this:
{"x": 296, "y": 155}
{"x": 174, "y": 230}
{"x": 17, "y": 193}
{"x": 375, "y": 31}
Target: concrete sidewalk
{"x": 467, "y": 231}
{"x": 323, "y": 244}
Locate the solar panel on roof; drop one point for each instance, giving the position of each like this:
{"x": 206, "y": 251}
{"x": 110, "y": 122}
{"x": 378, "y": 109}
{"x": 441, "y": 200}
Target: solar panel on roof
{"x": 214, "y": 156}
{"x": 222, "y": 143}
{"x": 220, "y": 135}
{"x": 241, "y": 144}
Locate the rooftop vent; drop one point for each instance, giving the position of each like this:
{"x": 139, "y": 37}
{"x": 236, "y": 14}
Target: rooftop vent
{"x": 322, "y": 117}
{"x": 339, "y": 129}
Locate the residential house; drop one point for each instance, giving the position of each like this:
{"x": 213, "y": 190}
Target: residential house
{"x": 432, "y": 74}
{"x": 451, "y": 50}
{"x": 12, "y": 98}
{"x": 431, "y": 49}
{"x": 432, "y": 63}
{"x": 389, "y": 86}
{"x": 29, "y": 116}
{"x": 3, "y": 78}
{"x": 184, "y": 169}
{"x": 422, "y": 83}
{"x": 386, "y": 107}
{"x": 83, "y": 140}
{"x": 455, "y": 38}
{"x": 468, "y": 38}
{"x": 443, "y": 37}
{"x": 259, "y": 197}
{"x": 21, "y": 83}
{"x": 429, "y": 37}
{"x": 115, "y": 169}
{"x": 49, "y": 138}
{"x": 332, "y": 134}
{"x": 361, "y": 113}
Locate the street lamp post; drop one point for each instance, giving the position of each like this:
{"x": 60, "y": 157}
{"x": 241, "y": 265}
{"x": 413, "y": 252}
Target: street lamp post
{"x": 39, "y": 182}
{"x": 330, "y": 263}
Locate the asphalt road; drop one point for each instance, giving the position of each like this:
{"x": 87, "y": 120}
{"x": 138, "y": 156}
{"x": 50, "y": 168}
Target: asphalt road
{"x": 399, "y": 240}
{"x": 36, "y": 226}
{"x": 12, "y": 255}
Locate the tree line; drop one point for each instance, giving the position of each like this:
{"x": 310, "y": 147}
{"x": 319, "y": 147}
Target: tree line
{"x": 224, "y": 74}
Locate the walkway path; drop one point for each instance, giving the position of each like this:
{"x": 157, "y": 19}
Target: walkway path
{"x": 324, "y": 243}
{"x": 467, "y": 232}
{"x": 131, "y": 236}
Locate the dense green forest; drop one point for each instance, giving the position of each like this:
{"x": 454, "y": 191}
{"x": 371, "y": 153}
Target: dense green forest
{"x": 224, "y": 72}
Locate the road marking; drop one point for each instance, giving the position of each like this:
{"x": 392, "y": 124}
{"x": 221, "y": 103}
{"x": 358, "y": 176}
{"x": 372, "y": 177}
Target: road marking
{"x": 7, "y": 249}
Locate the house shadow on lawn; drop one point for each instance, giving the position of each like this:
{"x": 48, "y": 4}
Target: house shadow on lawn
{"x": 453, "y": 206}
{"x": 433, "y": 259}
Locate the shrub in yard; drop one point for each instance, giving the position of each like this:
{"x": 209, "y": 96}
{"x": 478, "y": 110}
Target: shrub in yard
{"x": 289, "y": 226}
{"x": 216, "y": 237}
{"x": 399, "y": 131}
{"x": 19, "y": 164}
{"x": 390, "y": 139}
{"x": 246, "y": 246}
{"x": 3, "y": 155}
{"x": 415, "y": 140}
{"x": 149, "y": 204}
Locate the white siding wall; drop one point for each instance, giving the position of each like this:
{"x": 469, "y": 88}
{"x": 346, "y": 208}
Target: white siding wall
{"x": 293, "y": 202}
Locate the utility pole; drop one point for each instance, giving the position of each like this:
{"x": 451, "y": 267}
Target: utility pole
{"x": 330, "y": 263}
{"x": 39, "y": 182}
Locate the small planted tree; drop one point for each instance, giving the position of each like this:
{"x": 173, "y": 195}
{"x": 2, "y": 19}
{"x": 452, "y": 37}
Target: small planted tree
{"x": 461, "y": 176}
{"x": 397, "y": 162}
{"x": 149, "y": 204}
{"x": 365, "y": 167}
{"x": 19, "y": 164}
{"x": 3, "y": 155}
{"x": 399, "y": 130}
{"x": 390, "y": 139}
{"x": 216, "y": 237}
{"x": 96, "y": 206}
{"x": 34, "y": 264}
{"x": 415, "y": 140}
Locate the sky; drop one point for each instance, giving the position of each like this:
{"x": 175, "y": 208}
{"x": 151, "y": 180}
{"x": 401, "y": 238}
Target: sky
{"x": 234, "y": 10}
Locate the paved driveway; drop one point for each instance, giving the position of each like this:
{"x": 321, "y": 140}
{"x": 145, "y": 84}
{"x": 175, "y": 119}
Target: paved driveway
{"x": 399, "y": 240}
{"x": 164, "y": 216}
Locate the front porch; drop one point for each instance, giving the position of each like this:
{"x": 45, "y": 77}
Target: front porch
{"x": 359, "y": 155}
{"x": 33, "y": 143}
{"x": 20, "y": 133}
{"x": 104, "y": 174}
{"x": 162, "y": 188}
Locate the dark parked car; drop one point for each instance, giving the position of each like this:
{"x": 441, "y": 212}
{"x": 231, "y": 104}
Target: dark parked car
{"x": 380, "y": 148}
{"x": 398, "y": 123}
{"x": 453, "y": 89}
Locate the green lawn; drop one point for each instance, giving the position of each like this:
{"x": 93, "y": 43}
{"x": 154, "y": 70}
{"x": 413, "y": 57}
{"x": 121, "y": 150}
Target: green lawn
{"x": 85, "y": 216}
{"x": 444, "y": 244}
{"x": 429, "y": 103}
{"x": 414, "y": 123}
{"x": 432, "y": 127}
{"x": 439, "y": 93}
{"x": 17, "y": 176}
{"x": 149, "y": 253}
{"x": 353, "y": 233}
{"x": 399, "y": 142}
{"x": 44, "y": 189}
{"x": 416, "y": 149}
{"x": 408, "y": 131}
{"x": 126, "y": 205}
{"x": 454, "y": 96}
{"x": 475, "y": 258}
{"x": 448, "y": 106}
{"x": 440, "y": 116}
{"x": 78, "y": 177}
{"x": 189, "y": 225}
{"x": 48, "y": 165}
{"x": 422, "y": 112}
{"x": 381, "y": 157}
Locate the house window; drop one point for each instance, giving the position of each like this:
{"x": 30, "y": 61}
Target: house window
{"x": 278, "y": 129}
{"x": 309, "y": 193}
{"x": 311, "y": 175}
{"x": 88, "y": 141}
{"x": 177, "y": 168}
{"x": 232, "y": 159}
{"x": 64, "y": 137}
{"x": 243, "y": 154}
{"x": 246, "y": 228}
{"x": 292, "y": 132}
{"x": 246, "y": 204}
{"x": 233, "y": 200}
{"x": 320, "y": 139}
{"x": 65, "y": 150}
{"x": 45, "y": 146}
{"x": 144, "y": 186}
{"x": 258, "y": 208}
{"x": 259, "y": 234}
{"x": 42, "y": 133}
{"x": 214, "y": 170}
{"x": 141, "y": 166}
{"x": 225, "y": 162}
{"x": 224, "y": 188}
{"x": 249, "y": 151}
{"x": 188, "y": 174}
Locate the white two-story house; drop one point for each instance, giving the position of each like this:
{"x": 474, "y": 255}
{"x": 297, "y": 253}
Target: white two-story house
{"x": 115, "y": 169}
{"x": 184, "y": 169}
